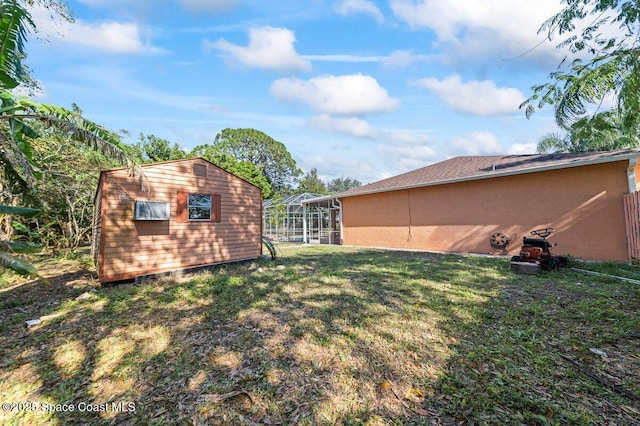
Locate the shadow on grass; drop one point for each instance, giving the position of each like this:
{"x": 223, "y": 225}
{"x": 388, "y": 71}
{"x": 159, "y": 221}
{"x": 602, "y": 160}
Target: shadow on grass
{"x": 325, "y": 335}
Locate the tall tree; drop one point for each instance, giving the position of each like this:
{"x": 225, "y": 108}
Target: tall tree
{"x": 268, "y": 155}
{"x": 612, "y": 65}
{"x": 310, "y": 182}
{"x": 243, "y": 169}
{"x": 342, "y": 184}
{"x": 158, "y": 149}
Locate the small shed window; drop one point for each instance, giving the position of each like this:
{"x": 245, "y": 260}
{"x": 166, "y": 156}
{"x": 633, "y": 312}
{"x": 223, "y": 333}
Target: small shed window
{"x": 199, "y": 207}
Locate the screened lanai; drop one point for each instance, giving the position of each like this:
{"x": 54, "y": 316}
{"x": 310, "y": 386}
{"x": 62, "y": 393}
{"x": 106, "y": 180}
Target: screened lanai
{"x": 307, "y": 217}
{"x": 323, "y": 220}
{"x": 283, "y": 220}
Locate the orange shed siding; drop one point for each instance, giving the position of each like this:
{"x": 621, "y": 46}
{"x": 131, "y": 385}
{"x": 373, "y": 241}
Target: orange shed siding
{"x": 584, "y": 204}
{"x": 130, "y": 248}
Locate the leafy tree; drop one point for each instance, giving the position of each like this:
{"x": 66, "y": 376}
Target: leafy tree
{"x": 310, "y": 182}
{"x": 602, "y": 132}
{"x": 342, "y": 184}
{"x": 66, "y": 190}
{"x": 268, "y": 155}
{"x": 612, "y": 67}
{"x": 157, "y": 149}
{"x": 243, "y": 169}
{"x": 9, "y": 248}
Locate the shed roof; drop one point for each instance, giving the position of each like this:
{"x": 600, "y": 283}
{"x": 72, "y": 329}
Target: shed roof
{"x": 138, "y": 170}
{"x": 460, "y": 169}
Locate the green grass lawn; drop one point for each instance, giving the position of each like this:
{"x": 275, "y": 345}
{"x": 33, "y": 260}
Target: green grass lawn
{"x": 325, "y": 335}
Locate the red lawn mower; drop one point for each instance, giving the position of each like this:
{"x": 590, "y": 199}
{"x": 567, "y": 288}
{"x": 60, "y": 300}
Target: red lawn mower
{"x": 535, "y": 254}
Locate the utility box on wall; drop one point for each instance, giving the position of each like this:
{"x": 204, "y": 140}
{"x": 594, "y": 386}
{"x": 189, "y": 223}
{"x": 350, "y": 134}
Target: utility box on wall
{"x": 152, "y": 210}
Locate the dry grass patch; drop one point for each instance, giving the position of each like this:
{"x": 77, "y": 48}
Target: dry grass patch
{"x": 327, "y": 335}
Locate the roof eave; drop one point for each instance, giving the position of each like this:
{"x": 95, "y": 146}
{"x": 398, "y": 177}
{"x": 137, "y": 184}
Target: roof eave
{"x": 495, "y": 174}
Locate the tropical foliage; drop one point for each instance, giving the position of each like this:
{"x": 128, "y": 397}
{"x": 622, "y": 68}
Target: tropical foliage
{"x": 602, "y": 65}
{"x": 601, "y": 132}
{"x": 9, "y": 248}
{"x": 23, "y": 122}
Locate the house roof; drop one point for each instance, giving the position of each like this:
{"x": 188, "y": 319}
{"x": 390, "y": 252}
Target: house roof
{"x": 460, "y": 169}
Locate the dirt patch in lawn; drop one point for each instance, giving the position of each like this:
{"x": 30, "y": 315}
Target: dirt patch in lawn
{"x": 324, "y": 335}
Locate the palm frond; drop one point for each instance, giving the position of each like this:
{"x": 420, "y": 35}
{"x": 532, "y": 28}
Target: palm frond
{"x": 18, "y": 111}
{"x": 20, "y": 266}
{"x": 15, "y": 22}
{"x": 20, "y": 211}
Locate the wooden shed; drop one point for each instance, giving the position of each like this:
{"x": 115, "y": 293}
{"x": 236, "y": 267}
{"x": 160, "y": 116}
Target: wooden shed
{"x": 591, "y": 199}
{"x": 172, "y": 216}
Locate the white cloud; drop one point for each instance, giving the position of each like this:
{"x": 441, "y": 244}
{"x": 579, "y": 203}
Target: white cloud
{"x": 475, "y": 143}
{"x": 483, "y": 28}
{"x": 522, "y": 148}
{"x": 404, "y": 58}
{"x": 269, "y": 47}
{"x": 119, "y": 82}
{"x": 109, "y": 36}
{"x": 113, "y": 37}
{"x": 400, "y": 158}
{"x": 474, "y": 97}
{"x": 353, "y": 94}
{"x": 347, "y": 7}
{"x": 397, "y": 59}
{"x": 351, "y": 126}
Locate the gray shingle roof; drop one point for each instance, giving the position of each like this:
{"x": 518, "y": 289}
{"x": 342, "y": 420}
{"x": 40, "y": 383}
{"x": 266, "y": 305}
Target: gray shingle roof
{"x": 460, "y": 169}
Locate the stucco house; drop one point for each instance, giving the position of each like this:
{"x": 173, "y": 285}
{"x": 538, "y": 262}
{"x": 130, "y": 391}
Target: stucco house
{"x": 173, "y": 215}
{"x": 455, "y": 205}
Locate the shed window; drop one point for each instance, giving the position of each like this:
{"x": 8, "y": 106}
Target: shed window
{"x": 199, "y": 207}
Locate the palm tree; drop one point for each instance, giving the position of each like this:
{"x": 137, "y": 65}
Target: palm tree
{"x": 604, "y": 131}
{"x": 604, "y": 63}
{"x": 17, "y": 113}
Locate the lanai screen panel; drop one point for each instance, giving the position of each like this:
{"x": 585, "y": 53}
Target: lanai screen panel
{"x": 283, "y": 220}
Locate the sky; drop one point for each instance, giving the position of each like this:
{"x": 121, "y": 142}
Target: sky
{"x": 354, "y": 88}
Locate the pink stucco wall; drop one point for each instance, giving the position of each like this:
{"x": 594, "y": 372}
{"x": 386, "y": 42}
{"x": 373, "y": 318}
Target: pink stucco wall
{"x": 584, "y": 204}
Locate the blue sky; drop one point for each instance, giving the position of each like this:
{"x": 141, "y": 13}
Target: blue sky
{"x": 355, "y": 88}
